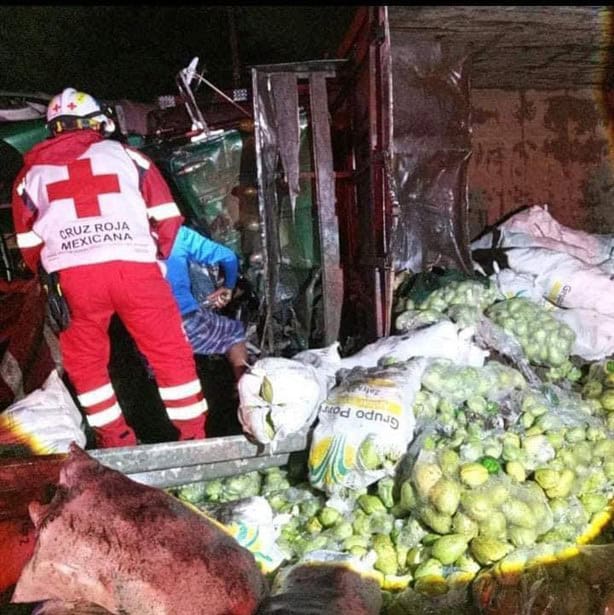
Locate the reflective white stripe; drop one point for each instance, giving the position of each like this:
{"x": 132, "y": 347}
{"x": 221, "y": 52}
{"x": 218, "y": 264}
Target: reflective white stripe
{"x": 28, "y": 240}
{"x": 96, "y": 395}
{"x": 21, "y": 188}
{"x": 164, "y": 211}
{"x": 100, "y": 419}
{"x": 185, "y": 413}
{"x": 180, "y": 391}
{"x": 142, "y": 162}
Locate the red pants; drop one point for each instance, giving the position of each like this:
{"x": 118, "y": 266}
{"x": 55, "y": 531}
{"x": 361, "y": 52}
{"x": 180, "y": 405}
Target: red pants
{"x": 144, "y": 302}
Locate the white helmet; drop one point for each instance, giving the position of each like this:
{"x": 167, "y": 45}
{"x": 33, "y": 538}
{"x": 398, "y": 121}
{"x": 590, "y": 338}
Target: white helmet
{"x": 73, "y": 110}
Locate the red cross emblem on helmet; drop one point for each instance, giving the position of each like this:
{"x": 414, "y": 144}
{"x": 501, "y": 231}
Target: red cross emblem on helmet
{"x": 72, "y": 102}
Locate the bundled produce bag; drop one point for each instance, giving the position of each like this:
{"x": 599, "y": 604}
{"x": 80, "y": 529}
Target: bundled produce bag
{"x": 46, "y": 421}
{"x": 458, "y": 384}
{"x": 565, "y": 280}
{"x": 479, "y": 512}
{"x": 598, "y": 388}
{"x": 411, "y": 319}
{"x": 278, "y": 397}
{"x": 544, "y": 340}
{"x": 233, "y": 488}
{"x": 462, "y": 301}
{"x": 476, "y": 293}
{"x": 364, "y": 426}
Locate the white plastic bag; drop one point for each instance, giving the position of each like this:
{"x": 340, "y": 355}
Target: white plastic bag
{"x": 548, "y": 233}
{"x": 594, "y": 332}
{"x": 278, "y": 397}
{"x": 512, "y": 284}
{"x": 536, "y": 228}
{"x": 564, "y": 280}
{"x": 325, "y": 360}
{"x": 443, "y": 340}
{"x": 47, "y": 420}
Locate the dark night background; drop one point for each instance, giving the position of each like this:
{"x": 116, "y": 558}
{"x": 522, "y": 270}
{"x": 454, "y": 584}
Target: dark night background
{"x": 135, "y": 52}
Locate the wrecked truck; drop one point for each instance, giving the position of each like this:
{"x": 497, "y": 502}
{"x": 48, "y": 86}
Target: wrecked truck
{"x": 432, "y": 124}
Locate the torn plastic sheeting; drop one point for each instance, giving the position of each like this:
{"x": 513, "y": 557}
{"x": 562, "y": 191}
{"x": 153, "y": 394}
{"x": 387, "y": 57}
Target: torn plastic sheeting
{"x": 285, "y": 103}
{"x": 279, "y": 130}
{"x": 491, "y": 335}
{"x": 267, "y": 158}
{"x": 430, "y": 152}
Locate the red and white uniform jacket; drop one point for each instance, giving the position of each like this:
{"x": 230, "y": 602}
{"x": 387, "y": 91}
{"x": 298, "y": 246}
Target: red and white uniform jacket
{"x": 81, "y": 199}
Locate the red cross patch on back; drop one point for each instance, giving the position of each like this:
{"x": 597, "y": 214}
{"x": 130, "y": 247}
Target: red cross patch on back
{"x": 83, "y": 187}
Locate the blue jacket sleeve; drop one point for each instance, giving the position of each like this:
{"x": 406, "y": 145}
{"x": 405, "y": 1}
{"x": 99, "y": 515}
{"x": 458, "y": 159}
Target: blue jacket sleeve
{"x": 207, "y": 252}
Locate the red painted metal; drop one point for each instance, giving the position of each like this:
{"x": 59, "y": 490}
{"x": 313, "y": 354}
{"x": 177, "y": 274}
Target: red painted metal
{"x": 361, "y": 111}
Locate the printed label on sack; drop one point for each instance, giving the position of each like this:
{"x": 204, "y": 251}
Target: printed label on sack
{"x": 558, "y": 292}
{"x": 363, "y": 427}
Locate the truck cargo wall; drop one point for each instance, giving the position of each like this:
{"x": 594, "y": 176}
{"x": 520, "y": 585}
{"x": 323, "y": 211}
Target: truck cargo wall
{"x": 536, "y": 147}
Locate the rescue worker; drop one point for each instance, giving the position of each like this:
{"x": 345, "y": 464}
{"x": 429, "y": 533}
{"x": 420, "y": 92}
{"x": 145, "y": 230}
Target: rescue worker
{"x": 89, "y": 207}
{"x": 208, "y": 331}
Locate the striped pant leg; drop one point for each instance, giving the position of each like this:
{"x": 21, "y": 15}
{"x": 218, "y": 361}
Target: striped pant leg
{"x": 105, "y": 417}
{"x": 186, "y": 408}
{"x": 211, "y": 333}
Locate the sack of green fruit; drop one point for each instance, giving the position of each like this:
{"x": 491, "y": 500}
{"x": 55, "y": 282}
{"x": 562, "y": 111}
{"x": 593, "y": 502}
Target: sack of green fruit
{"x": 364, "y": 426}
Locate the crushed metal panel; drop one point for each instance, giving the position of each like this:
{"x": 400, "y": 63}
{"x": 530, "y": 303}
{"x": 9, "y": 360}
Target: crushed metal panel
{"x": 277, "y": 133}
{"x": 332, "y": 278}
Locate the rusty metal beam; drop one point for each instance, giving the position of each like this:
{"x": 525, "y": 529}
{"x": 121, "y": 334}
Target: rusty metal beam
{"x": 332, "y": 278}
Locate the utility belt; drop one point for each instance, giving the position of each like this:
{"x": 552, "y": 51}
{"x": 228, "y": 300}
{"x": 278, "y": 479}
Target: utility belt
{"x": 59, "y": 312}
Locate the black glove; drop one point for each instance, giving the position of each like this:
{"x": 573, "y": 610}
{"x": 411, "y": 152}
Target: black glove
{"x": 58, "y": 307}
